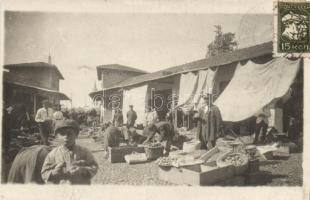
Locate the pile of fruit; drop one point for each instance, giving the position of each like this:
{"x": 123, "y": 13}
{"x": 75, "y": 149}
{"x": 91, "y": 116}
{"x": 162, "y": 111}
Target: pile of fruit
{"x": 235, "y": 159}
{"x": 166, "y": 161}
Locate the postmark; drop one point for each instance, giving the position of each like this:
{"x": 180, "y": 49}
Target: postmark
{"x": 292, "y": 28}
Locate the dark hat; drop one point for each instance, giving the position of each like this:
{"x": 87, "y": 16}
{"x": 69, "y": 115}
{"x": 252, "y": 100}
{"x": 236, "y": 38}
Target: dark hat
{"x": 68, "y": 123}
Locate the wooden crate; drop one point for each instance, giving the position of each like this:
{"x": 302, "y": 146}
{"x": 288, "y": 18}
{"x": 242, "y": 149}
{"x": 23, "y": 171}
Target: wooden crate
{"x": 283, "y": 151}
{"x": 196, "y": 175}
{"x": 116, "y": 154}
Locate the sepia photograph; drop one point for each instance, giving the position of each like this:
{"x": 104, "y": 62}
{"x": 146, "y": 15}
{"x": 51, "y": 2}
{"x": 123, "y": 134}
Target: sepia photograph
{"x": 151, "y": 99}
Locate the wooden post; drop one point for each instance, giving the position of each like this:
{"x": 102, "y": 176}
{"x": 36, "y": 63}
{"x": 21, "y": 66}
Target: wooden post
{"x": 34, "y": 104}
{"x": 152, "y": 98}
{"x": 103, "y": 101}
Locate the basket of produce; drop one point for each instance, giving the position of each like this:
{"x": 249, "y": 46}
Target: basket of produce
{"x": 135, "y": 158}
{"x": 238, "y": 160}
{"x": 153, "y": 150}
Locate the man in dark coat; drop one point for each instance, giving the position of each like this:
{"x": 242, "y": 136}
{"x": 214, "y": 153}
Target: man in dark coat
{"x": 209, "y": 124}
{"x": 131, "y": 117}
{"x": 117, "y": 120}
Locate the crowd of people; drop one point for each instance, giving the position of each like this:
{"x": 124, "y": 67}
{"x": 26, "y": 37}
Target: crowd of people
{"x": 63, "y": 164}
{"x": 70, "y": 163}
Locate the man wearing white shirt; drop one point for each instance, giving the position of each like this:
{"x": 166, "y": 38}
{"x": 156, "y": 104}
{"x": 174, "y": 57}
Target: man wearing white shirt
{"x": 58, "y": 114}
{"x": 44, "y": 118}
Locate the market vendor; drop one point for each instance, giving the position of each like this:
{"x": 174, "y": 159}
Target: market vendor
{"x": 261, "y": 124}
{"x": 131, "y": 117}
{"x": 117, "y": 120}
{"x": 151, "y": 116}
{"x": 57, "y": 115}
{"x": 113, "y": 137}
{"x": 69, "y": 163}
{"x": 134, "y": 137}
{"x": 44, "y": 118}
{"x": 165, "y": 131}
{"x": 209, "y": 123}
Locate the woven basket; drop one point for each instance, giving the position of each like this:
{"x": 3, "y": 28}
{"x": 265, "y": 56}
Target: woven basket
{"x": 153, "y": 153}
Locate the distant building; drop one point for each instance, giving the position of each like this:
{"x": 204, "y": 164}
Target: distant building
{"x": 31, "y": 83}
{"x": 111, "y": 75}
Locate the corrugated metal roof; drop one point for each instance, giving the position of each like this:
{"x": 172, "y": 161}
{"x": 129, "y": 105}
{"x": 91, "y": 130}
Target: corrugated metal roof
{"x": 118, "y": 67}
{"x": 223, "y": 59}
{"x": 36, "y": 64}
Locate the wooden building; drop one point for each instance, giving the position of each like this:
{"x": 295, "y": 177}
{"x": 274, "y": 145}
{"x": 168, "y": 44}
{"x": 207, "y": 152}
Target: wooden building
{"x": 111, "y": 75}
{"x": 31, "y": 83}
{"x": 167, "y": 83}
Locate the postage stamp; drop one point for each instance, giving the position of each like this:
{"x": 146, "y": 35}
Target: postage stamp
{"x": 292, "y": 28}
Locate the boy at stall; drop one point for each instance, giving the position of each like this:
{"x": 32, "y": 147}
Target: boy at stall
{"x": 69, "y": 163}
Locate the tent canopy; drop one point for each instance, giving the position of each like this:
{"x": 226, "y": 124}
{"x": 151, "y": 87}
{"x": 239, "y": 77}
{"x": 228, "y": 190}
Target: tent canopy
{"x": 136, "y": 97}
{"x": 255, "y": 85}
{"x": 193, "y": 86}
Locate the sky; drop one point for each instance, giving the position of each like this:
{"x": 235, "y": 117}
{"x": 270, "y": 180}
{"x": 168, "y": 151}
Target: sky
{"x": 78, "y": 42}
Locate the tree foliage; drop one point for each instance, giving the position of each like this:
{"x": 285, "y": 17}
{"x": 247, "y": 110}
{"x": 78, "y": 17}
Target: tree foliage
{"x": 223, "y": 42}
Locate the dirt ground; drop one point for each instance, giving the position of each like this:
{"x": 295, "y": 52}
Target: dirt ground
{"x": 273, "y": 173}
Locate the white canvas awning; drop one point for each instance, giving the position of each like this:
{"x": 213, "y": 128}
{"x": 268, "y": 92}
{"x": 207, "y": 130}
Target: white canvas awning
{"x": 137, "y": 97}
{"x": 193, "y": 86}
{"x": 188, "y": 86}
{"x": 254, "y": 86}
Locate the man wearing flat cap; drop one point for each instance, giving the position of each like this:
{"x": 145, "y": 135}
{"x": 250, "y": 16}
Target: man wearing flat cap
{"x": 209, "y": 123}
{"x": 68, "y": 163}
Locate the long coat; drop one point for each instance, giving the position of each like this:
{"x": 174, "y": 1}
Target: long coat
{"x": 131, "y": 118}
{"x": 209, "y": 124}
{"x": 118, "y": 119}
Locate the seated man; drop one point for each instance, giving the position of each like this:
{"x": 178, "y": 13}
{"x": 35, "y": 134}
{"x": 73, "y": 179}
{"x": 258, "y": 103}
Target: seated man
{"x": 116, "y": 135}
{"x": 113, "y": 137}
{"x": 165, "y": 131}
{"x": 69, "y": 163}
